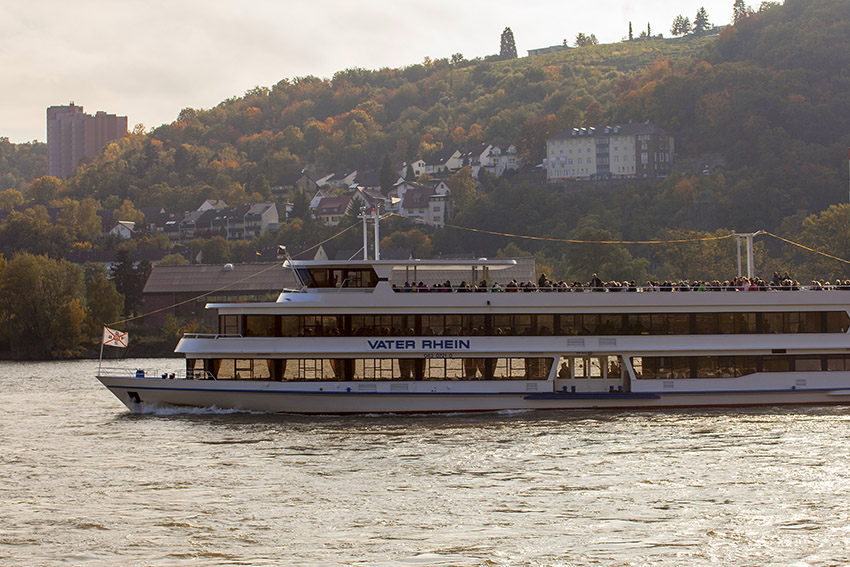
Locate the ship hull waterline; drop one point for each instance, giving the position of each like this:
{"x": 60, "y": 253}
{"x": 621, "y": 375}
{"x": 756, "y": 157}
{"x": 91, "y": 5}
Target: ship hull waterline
{"x": 139, "y": 395}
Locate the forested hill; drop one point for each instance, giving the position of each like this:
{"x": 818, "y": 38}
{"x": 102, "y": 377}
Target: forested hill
{"x": 354, "y": 119}
{"x": 771, "y": 94}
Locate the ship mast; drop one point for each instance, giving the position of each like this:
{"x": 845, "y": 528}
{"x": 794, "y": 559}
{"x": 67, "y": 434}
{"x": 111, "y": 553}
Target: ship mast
{"x": 375, "y": 216}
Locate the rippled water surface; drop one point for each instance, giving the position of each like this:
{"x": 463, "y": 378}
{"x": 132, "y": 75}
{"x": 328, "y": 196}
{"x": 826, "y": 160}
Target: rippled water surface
{"x": 83, "y": 481}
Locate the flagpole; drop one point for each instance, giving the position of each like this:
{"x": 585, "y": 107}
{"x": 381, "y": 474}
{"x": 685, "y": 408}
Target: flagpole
{"x": 100, "y": 360}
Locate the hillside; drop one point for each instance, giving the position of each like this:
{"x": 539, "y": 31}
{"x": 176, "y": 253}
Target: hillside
{"x": 770, "y": 94}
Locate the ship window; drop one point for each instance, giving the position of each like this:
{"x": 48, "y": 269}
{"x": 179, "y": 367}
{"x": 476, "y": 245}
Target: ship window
{"x": 776, "y": 363}
{"x": 808, "y": 364}
{"x": 589, "y": 324}
{"x": 225, "y": 370}
{"x": 443, "y": 369}
{"x": 725, "y": 323}
{"x": 726, "y": 367}
{"x": 837, "y": 322}
{"x": 637, "y": 365}
{"x": 677, "y": 323}
{"x": 382, "y": 325}
{"x": 290, "y": 325}
{"x": 474, "y": 324}
{"x": 811, "y": 322}
{"x": 836, "y": 363}
{"x": 745, "y": 323}
{"x": 544, "y": 324}
{"x": 340, "y": 277}
{"x": 707, "y": 367}
{"x": 681, "y": 367}
{"x": 640, "y": 324}
{"x": 375, "y": 369}
{"x": 792, "y": 322}
{"x": 745, "y": 365}
{"x": 610, "y": 324}
{"x": 580, "y": 367}
{"x": 503, "y": 325}
{"x": 771, "y": 323}
{"x": 320, "y": 325}
{"x": 244, "y": 369}
{"x": 522, "y": 324}
{"x": 260, "y": 325}
{"x": 537, "y": 368}
{"x": 706, "y": 324}
{"x": 228, "y": 324}
{"x": 615, "y": 367}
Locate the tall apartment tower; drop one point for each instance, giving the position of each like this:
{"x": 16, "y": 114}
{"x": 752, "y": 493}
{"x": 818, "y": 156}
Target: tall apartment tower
{"x": 73, "y": 135}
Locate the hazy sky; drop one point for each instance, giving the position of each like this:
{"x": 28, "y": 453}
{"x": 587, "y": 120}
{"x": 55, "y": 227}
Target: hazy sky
{"x": 148, "y": 59}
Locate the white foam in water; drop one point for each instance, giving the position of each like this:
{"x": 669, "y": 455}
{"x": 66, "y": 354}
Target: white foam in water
{"x": 514, "y": 411}
{"x": 163, "y": 410}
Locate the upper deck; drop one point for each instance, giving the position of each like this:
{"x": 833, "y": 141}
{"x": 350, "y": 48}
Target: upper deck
{"x": 476, "y": 286}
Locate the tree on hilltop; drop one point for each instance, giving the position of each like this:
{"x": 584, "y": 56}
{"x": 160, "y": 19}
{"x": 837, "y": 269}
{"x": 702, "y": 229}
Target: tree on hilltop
{"x": 681, "y": 25}
{"x": 508, "y": 47}
{"x": 586, "y": 40}
{"x": 740, "y": 11}
{"x": 701, "y": 23}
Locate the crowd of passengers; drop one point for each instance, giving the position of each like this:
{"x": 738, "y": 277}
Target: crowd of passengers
{"x": 777, "y": 283}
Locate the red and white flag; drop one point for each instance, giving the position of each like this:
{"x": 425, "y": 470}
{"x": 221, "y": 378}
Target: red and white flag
{"x": 111, "y": 337}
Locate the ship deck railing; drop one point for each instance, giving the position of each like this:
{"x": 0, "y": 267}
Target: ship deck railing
{"x": 116, "y": 372}
{"x": 587, "y": 289}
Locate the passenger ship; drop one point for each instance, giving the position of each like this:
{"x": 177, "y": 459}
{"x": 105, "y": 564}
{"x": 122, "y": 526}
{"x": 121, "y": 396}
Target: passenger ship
{"x": 348, "y": 340}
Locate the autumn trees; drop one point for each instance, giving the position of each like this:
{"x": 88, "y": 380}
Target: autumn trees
{"x": 50, "y": 308}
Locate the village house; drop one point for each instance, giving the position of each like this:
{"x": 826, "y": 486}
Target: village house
{"x": 498, "y": 161}
{"x": 428, "y": 203}
{"x": 476, "y": 157}
{"x": 331, "y": 210}
{"x": 444, "y": 160}
{"x": 418, "y": 167}
{"x": 295, "y": 182}
{"x": 342, "y": 180}
{"x": 123, "y": 229}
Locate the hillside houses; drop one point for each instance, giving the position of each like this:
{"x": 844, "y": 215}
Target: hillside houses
{"x": 492, "y": 158}
{"x": 423, "y": 202}
{"x": 339, "y": 194}
{"x": 215, "y": 218}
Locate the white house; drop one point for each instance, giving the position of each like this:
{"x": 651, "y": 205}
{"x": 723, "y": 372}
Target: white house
{"x": 443, "y": 160}
{"x": 417, "y": 165}
{"x": 499, "y": 161}
{"x": 430, "y": 203}
{"x": 476, "y": 157}
{"x": 124, "y": 229}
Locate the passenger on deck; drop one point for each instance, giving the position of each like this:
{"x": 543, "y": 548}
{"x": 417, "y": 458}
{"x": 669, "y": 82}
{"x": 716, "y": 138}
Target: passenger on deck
{"x": 596, "y": 283}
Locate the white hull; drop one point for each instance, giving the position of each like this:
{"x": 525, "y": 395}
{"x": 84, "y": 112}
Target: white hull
{"x": 275, "y": 397}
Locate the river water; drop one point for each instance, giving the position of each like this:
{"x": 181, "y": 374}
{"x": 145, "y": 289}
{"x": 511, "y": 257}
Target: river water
{"x": 83, "y": 481}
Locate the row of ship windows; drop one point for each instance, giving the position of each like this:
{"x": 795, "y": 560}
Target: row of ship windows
{"x": 370, "y": 369}
{"x": 560, "y": 324}
{"x": 670, "y": 367}
{"x": 584, "y": 367}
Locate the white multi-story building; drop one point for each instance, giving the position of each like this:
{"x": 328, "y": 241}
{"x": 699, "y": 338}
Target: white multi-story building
{"x": 622, "y": 151}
